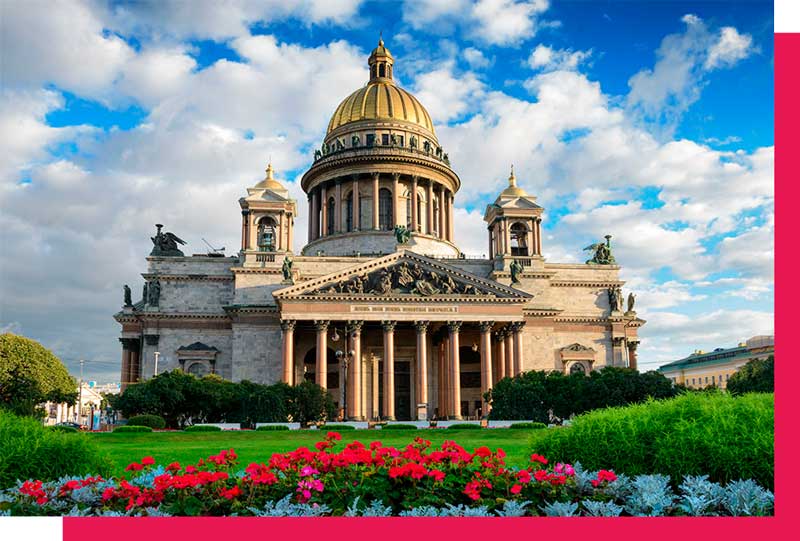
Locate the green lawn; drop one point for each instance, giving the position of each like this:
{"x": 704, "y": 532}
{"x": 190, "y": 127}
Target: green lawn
{"x": 251, "y": 446}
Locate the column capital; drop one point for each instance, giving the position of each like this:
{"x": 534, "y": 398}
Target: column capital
{"x": 321, "y": 325}
{"x": 421, "y": 326}
{"x": 388, "y": 326}
{"x": 245, "y": 212}
{"x": 375, "y": 174}
{"x": 633, "y": 344}
{"x": 355, "y": 177}
{"x": 354, "y": 327}
{"x": 130, "y": 344}
{"x": 486, "y": 326}
{"x": 415, "y": 178}
{"x": 396, "y": 176}
{"x": 517, "y": 326}
{"x": 288, "y": 324}
{"x": 454, "y": 326}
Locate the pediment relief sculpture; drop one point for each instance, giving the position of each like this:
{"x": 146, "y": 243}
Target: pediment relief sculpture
{"x": 403, "y": 278}
{"x": 577, "y": 347}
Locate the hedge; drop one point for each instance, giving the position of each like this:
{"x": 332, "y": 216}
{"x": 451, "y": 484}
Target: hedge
{"x": 267, "y": 428}
{"x": 153, "y": 421}
{"x": 202, "y": 428}
{"x": 464, "y": 426}
{"x": 726, "y": 437}
{"x": 399, "y": 426}
{"x": 126, "y": 428}
{"x": 30, "y": 450}
{"x": 63, "y": 428}
{"x": 528, "y": 426}
{"x": 337, "y": 427}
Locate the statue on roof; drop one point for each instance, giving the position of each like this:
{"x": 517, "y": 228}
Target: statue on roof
{"x": 631, "y": 303}
{"x": 165, "y": 244}
{"x": 126, "y": 294}
{"x": 287, "y": 270}
{"x": 602, "y": 253}
{"x": 516, "y": 271}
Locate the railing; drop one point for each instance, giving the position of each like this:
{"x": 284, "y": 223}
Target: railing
{"x": 265, "y": 258}
{"x": 379, "y": 149}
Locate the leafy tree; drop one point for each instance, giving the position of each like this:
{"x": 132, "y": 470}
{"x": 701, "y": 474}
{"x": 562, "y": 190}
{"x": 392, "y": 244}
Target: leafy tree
{"x": 310, "y": 402}
{"x": 548, "y": 396}
{"x": 30, "y": 375}
{"x": 757, "y": 376}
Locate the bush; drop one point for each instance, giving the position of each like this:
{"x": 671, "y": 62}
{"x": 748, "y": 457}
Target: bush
{"x": 182, "y": 399}
{"x": 464, "y": 426}
{"x": 30, "y": 375}
{"x": 202, "y": 428}
{"x": 337, "y": 427}
{"x": 528, "y": 426}
{"x": 548, "y": 397}
{"x": 63, "y": 428}
{"x": 399, "y": 426}
{"x": 153, "y": 421}
{"x": 757, "y": 376}
{"x": 126, "y": 428}
{"x": 30, "y": 450}
{"x": 267, "y": 428}
{"x": 726, "y": 437}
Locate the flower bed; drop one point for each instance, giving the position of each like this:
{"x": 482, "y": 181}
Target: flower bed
{"x": 380, "y": 481}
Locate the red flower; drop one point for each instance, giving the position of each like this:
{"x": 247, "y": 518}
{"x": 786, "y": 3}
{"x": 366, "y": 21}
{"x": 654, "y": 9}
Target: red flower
{"x": 538, "y": 458}
{"x": 135, "y": 466}
{"x": 483, "y": 452}
{"x": 231, "y": 493}
{"x": 148, "y": 461}
{"x": 375, "y": 445}
{"x": 333, "y": 436}
{"x": 524, "y": 476}
{"x": 175, "y": 466}
{"x": 516, "y": 489}
{"x": 541, "y": 475}
{"x": 606, "y": 475}
{"x": 437, "y": 475}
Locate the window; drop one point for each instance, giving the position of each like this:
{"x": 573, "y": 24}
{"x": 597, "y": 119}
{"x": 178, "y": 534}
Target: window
{"x": 370, "y": 139}
{"x": 706, "y": 379}
{"x": 365, "y": 216}
{"x": 577, "y": 368}
{"x": 198, "y": 369}
{"x": 385, "y": 218}
{"x": 349, "y": 212}
{"x": 713, "y": 380}
{"x": 331, "y": 216}
{"x": 519, "y": 239}
{"x": 385, "y": 139}
{"x": 436, "y": 216}
{"x": 400, "y": 140}
{"x": 382, "y": 70}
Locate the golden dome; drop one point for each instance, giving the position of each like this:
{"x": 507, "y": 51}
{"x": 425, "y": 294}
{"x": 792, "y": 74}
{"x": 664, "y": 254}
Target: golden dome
{"x": 381, "y": 98}
{"x": 269, "y": 182}
{"x": 513, "y": 190}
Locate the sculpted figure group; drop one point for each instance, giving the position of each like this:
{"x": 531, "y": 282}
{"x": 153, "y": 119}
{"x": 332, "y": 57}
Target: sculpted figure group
{"x": 403, "y": 278}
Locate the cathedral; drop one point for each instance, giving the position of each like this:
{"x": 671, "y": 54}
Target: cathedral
{"x": 381, "y": 307}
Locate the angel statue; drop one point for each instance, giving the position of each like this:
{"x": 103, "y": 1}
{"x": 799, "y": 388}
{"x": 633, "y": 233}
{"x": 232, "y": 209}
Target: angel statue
{"x": 402, "y": 234}
{"x": 126, "y": 294}
{"x": 602, "y": 253}
{"x": 165, "y": 244}
{"x": 631, "y": 303}
{"x": 286, "y": 269}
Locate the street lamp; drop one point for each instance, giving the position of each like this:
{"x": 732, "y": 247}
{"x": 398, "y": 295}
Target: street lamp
{"x": 344, "y": 362}
{"x": 155, "y": 366}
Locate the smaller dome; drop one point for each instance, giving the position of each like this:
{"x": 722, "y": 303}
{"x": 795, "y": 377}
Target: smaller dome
{"x": 513, "y": 190}
{"x": 269, "y": 182}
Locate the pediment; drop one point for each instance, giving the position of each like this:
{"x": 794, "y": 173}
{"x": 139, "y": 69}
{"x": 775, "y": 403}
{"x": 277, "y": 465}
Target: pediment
{"x": 517, "y": 203}
{"x": 576, "y": 347}
{"x": 403, "y": 276}
{"x": 261, "y": 194}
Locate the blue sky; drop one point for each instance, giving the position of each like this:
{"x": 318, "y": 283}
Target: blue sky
{"x": 652, "y": 121}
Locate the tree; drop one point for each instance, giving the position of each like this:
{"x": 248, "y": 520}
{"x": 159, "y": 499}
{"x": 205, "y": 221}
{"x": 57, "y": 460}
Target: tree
{"x": 757, "y": 376}
{"x": 30, "y": 375}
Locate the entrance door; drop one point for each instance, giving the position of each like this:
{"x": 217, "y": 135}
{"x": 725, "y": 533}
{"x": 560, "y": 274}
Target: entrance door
{"x": 402, "y": 388}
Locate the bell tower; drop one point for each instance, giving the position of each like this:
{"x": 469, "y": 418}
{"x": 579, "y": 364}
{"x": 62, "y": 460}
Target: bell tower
{"x": 267, "y": 219}
{"x": 515, "y": 225}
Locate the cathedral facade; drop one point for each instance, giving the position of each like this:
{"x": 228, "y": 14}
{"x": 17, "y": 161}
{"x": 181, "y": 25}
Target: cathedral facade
{"x": 380, "y": 307}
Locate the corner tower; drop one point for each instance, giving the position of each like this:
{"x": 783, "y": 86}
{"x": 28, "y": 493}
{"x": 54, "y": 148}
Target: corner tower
{"x": 380, "y": 165}
{"x": 267, "y": 220}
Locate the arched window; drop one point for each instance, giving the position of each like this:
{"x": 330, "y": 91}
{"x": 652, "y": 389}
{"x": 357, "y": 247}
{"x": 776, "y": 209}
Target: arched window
{"x": 422, "y": 219}
{"x": 577, "y": 368}
{"x": 519, "y": 239}
{"x": 436, "y": 215}
{"x": 349, "y": 212}
{"x": 386, "y": 220}
{"x": 198, "y": 369}
{"x": 331, "y": 216}
{"x": 382, "y": 70}
{"x": 266, "y": 234}
{"x": 365, "y": 214}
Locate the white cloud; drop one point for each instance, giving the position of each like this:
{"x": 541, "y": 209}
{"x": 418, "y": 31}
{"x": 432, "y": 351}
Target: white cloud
{"x": 729, "y": 48}
{"x": 549, "y": 59}
{"x": 661, "y": 95}
{"x": 447, "y": 96}
{"x": 475, "y": 58}
{"x": 494, "y": 22}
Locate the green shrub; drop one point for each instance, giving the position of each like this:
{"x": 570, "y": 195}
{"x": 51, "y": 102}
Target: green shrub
{"x": 126, "y": 428}
{"x": 528, "y": 426}
{"x": 399, "y": 426}
{"x": 31, "y": 451}
{"x": 153, "y": 421}
{"x": 337, "y": 427}
{"x": 266, "y": 428}
{"x": 464, "y": 426}
{"x": 63, "y": 428}
{"x": 202, "y": 428}
{"x": 726, "y": 437}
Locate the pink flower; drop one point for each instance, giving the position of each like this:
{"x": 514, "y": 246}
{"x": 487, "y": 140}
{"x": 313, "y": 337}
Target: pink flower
{"x": 308, "y": 470}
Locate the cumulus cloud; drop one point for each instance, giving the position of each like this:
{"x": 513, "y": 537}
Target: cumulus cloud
{"x": 447, "y": 96}
{"x": 661, "y": 95}
{"x": 544, "y": 57}
{"x": 475, "y": 58}
{"x": 494, "y": 22}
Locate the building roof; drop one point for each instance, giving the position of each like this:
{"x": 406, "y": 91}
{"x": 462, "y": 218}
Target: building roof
{"x": 709, "y": 358}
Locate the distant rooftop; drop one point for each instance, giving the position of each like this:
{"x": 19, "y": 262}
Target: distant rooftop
{"x": 743, "y": 351}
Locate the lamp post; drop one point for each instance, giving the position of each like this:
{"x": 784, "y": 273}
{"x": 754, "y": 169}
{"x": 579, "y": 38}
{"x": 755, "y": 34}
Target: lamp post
{"x": 344, "y": 362}
{"x": 155, "y": 366}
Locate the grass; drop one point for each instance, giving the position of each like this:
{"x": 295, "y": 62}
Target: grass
{"x": 252, "y": 446}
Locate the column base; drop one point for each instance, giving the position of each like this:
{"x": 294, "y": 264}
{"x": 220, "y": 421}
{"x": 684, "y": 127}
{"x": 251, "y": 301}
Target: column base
{"x": 455, "y": 418}
{"x": 389, "y": 419}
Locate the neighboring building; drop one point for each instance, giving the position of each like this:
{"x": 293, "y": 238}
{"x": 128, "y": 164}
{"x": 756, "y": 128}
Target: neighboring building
{"x": 701, "y": 369}
{"x": 90, "y": 396}
{"x": 421, "y": 329}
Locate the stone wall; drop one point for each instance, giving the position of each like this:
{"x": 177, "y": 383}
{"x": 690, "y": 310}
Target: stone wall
{"x": 257, "y": 350}
{"x": 171, "y": 339}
